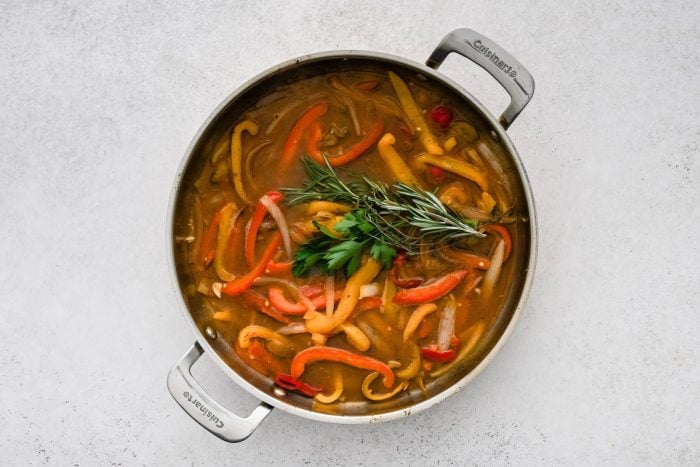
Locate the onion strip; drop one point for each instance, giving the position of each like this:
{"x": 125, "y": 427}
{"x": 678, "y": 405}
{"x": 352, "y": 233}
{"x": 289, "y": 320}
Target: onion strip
{"x": 249, "y": 162}
{"x": 330, "y": 295}
{"x": 294, "y": 328}
{"x": 279, "y": 116}
{"x": 353, "y": 114}
{"x": 369, "y": 290}
{"x": 446, "y": 328}
{"x": 279, "y": 218}
{"x": 494, "y": 271}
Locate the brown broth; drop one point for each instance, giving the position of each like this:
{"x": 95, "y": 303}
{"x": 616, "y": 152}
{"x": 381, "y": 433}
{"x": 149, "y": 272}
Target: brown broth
{"x": 282, "y": 109}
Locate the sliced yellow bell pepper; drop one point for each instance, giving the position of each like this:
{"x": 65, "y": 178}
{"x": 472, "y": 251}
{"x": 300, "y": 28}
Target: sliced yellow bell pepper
{"x": 319, "y": 323}
{"x": 394, "y": 161}
{"x": 411, "y": 369}
{"x": 369, "y": 394}
{"x": 456, "y": 166}
{"x": 329, "y": 206}
{"x": 237, "y": 155}
{"x": 427, "y": 138}
{"x": 222, "y": 236}
{"x": 250, "y": 332}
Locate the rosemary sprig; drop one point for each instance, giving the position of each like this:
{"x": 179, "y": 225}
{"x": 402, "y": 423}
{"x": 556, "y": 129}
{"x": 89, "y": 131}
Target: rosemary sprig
{"x": 402, "y": 217}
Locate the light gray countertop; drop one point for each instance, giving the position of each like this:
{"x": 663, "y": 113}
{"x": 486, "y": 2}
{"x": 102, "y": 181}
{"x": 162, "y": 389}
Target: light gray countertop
{"x": 99, "y": 103}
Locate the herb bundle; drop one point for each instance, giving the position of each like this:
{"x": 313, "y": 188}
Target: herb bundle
{"x": 385, "y": 219}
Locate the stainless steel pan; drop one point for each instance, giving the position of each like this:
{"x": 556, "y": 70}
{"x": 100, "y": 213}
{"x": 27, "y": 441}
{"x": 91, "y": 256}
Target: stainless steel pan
{"x": 185, "y": 389}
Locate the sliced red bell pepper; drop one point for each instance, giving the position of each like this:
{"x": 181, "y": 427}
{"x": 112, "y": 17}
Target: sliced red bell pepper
{"x": 467, "y": 259}
{"x": 503, "y": 232}
{"x": 253, "y": 363}
{"x": 279, "y": 268}
{"x": 241, "y": 284}
{"x": 368, "y": 303}
{"x": 312, "y": 290}
{"x": 394, "y": 273}
{"x": 356, "y": 150}
{"x": 259, "y": 353}
{"x": 432, "y": 354}
{"x": 320, "y": 301}
{"x": 312, "y": 141}
{"x": 293, "y": 384}
{"x": 323, "y": 353}
{"x": 263, "y": 306}
{"x": 289, "y": 151}
{"x": 425, "y": 328}
{"x": 207, "y": 248}
{"x": 430, "y": 292}
{"x": 255, "y": 223}
{"x": 279, "y": 301}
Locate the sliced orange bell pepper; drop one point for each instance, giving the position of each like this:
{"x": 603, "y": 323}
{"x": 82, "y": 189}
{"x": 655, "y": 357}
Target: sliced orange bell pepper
{"x": 241, "y": 284}
{"x": 355, "y": 151}
{"x": 255, "y": 223}
{"x": 279, "y": 301}
{"x": 430, "y": 292}
{"x": 289, "y": 151}
{"x": 323, "y": 353}
{"x": 207, "y": 248}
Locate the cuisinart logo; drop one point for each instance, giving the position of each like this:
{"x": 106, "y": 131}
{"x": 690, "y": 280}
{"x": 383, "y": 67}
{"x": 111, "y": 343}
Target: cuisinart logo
{"x": 491, "y": 55}
{"x": 205, "y": 411}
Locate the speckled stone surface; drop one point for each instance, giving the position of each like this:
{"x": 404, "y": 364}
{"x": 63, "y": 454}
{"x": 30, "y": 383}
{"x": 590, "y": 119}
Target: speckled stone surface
{"x": 98, "y": 103}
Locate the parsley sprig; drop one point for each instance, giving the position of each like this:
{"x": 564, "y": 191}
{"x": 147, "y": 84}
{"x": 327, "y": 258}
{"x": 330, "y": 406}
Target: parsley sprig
{"x": 343, "y": 247}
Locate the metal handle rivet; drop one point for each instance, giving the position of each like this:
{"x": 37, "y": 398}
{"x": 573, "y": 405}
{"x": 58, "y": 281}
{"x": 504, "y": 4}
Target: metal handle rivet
{"x": 211, "y": 332}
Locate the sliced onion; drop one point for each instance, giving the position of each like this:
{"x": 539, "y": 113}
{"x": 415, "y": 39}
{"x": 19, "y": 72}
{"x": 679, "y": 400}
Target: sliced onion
{"x": 330, "y": 295}
{"x": 279, "y": 218}
{"x": 279, "y": 116}
{"x": 369, "y": 290}
{"x": 267, "y": 226}
{"x": 353, "y": 115}
{"x": 494, "y": 271}
{"x": 249, "y": 162}
{"x": 294, "y": 328}
{"x": 446, "y": 328}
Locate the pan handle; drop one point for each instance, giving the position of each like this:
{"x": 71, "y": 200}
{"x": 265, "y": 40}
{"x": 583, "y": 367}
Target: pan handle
{"x": 509, "y": 72}
{"x": 206, "y": 411}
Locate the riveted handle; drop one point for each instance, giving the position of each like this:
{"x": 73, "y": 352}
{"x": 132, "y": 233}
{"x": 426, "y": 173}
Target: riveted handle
{"x": 509, "y": 72}
{"x": 199, "y": 405}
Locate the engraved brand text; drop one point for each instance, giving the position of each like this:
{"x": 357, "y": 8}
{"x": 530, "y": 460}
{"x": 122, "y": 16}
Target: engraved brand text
{"x": 491, "y": 55}
{"x": 203, "y": 408}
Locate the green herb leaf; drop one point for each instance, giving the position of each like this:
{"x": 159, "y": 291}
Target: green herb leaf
{"x": 348, "y": 252}
{"x": 383, "y": 253}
